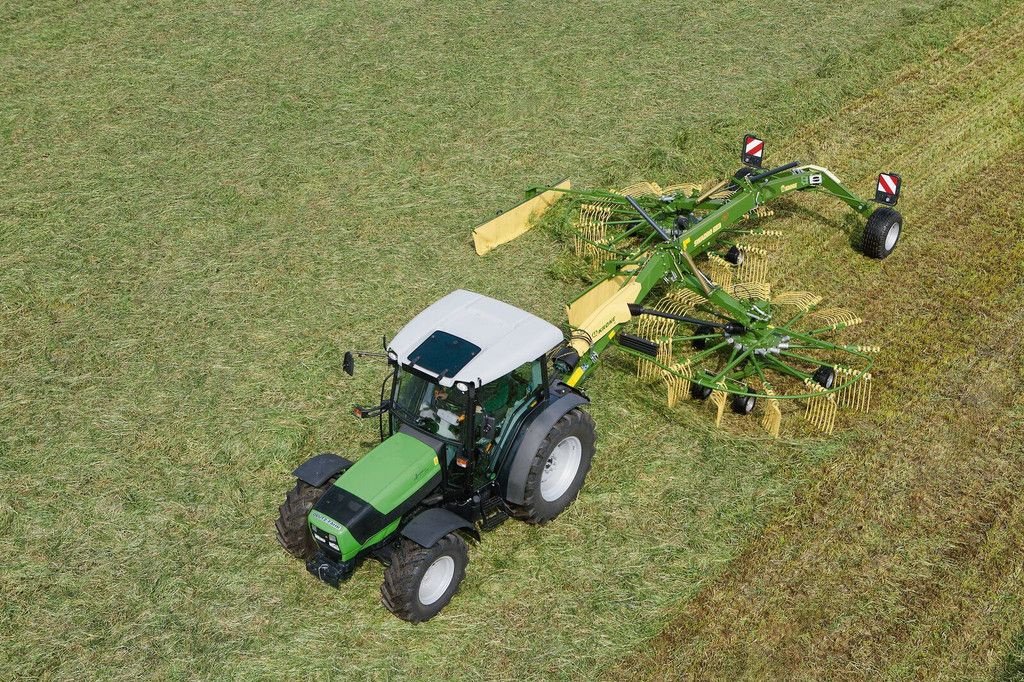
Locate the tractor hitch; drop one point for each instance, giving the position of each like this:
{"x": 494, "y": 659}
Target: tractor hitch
{"x": 330, "y": 571}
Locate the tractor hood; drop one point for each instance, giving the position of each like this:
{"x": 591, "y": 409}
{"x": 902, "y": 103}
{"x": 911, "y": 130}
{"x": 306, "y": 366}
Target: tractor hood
{"x": 367, "y": 502}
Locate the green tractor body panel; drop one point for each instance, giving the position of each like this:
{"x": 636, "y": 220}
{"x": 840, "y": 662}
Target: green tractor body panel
{"x": 367, "y": 502}
{"x": 386, "y": 475}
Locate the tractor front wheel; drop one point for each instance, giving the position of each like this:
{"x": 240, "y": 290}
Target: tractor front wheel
{"x": 559, "y": 468}
{"x": 882, "y": 232}
{"x": 421, "y": 580}
{"x": 292, "y": 526}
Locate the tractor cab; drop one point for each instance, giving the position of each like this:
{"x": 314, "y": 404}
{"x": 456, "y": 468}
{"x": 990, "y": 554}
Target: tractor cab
{"x": 467, "y": 370}
{"x": 470, "y": 424}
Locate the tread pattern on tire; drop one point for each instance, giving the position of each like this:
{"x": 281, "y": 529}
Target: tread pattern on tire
{"x": 291, "y": 525}
{"x": 400, "y": 590}
{"x": 873, "y": 243}
{"x": 531, "y": 511}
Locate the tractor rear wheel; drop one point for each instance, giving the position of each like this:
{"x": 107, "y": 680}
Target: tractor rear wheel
{"x": 882, "y": 232}
{"x": 292, "y": 526}
{"x": 421, "y": 580}
{"x": 559, "y": 468}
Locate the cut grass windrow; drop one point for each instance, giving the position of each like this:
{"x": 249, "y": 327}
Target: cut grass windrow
{"x": 903, "y": 559}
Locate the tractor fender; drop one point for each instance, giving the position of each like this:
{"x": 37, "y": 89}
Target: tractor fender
{"x": 429, "y": 526}
{"x": 513, "y": 482}
{"x": 317, "y": 470}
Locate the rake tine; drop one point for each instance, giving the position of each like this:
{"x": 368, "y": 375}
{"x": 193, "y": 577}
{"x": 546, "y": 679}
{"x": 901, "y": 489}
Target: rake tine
{"x": 719, "y": 270}
{"x": 856, "y": 396}
{"x": 719, "y": 398}
{"x": 821, "y": 409}
{"x": 677, "y": 382}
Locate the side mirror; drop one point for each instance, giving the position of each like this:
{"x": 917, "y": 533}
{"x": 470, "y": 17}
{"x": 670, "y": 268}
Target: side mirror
{"x": 488, "y": 428}
{"x": 349, "y": 363}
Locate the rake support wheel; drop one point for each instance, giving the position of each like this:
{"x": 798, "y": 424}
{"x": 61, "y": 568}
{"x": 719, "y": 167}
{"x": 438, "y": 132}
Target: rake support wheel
{"x": 882, "y": 232}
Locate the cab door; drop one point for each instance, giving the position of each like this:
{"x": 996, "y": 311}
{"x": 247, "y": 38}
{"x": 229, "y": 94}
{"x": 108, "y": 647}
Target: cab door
{"x": 503, "y": 403}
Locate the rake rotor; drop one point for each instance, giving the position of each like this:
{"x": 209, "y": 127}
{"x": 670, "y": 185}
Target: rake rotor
{"x": 718, "y": 333}
{"x": 790, "y": 356}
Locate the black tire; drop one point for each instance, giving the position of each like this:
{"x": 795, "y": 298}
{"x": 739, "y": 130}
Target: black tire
{"x": 743, "y": 404}
{"x": 825, "y": 376}
{"x": 292, "y": 526}
{"x": 734, "y": 255}
{"x": 401, "y": 590}
{"x": 701, "y": 330}
{"x": 543, "y": 501}
{"x": 882, "y": 233}
{"x": 699, "y": 392}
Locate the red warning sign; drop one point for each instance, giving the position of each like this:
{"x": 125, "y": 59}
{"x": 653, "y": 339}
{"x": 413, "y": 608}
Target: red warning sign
{"x": 753, "y": 151}
{"x": 888, "y": 189}
{"x": 888, "y": 183}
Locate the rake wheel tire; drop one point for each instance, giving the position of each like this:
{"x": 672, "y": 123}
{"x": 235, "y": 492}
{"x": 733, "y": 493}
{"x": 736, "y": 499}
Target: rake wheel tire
{"x": 576, "y": 425}
{"x": 699, "y": 392}
{"x": 701, "y": 330}
{"x": 292, "y": 526}
{"x": 743, "y": 404}
{"x": 420, "y": 581}
{"x": 824, "y": 376}
{"x": 882, "y": 233}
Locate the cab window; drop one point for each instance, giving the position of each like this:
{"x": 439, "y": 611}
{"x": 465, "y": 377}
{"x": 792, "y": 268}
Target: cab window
{"x": 436, "y": 409}
{"x": 502, "y": 397}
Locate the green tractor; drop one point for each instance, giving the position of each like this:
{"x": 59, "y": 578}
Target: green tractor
{"x": 481, "y": 416}
{"x": 473, "y": 431}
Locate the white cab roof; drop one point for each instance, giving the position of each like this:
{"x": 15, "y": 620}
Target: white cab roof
{"x": 506, "y": 336}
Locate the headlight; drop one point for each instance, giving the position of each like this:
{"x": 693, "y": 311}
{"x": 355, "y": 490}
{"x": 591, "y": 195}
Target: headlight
{"x": 324, "y": 538}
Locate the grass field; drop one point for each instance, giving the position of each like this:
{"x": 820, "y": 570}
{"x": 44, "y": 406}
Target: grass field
{"x": 202, "y": 206}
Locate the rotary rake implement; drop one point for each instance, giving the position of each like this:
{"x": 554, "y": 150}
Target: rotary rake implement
{"x": 685, "y": 290}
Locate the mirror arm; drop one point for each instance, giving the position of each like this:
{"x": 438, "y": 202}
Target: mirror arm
{"x": 376, "y": 410}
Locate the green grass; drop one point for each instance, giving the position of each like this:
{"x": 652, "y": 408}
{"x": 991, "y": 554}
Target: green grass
{"x": 1013, "y": 666}
{"x": 202, "y": 206}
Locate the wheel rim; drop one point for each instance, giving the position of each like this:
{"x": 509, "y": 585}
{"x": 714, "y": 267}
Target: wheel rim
{"x": 437, "y": 579}
{"x": 891, "y": 236}
{"x": 560, "y": 469}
